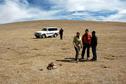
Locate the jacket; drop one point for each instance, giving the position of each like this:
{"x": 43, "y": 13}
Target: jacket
{"x": 76, "y": 41}
{"x": 94, "y": 41}
{"x": 86, "y": 39}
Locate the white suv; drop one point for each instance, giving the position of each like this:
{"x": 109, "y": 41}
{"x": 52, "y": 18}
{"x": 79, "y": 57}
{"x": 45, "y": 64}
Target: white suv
{"x": 47, "y": 32}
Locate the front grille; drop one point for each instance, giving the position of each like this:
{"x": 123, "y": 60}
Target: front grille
{"x": 37, "y": 34}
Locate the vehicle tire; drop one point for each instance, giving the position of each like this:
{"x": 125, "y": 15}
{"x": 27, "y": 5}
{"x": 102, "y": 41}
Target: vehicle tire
{"x": 43, "y": 36}
{"x": 55, "y": 35}
{"x": 37, "y": 36}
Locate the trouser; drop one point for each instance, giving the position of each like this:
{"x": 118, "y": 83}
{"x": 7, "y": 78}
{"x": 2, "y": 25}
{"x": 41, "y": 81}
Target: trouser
{"x": 61, "y": 36}
{"x": 94, "y": 52}
{"x": 77, "y": 49}
{"x": 85, "y": 46}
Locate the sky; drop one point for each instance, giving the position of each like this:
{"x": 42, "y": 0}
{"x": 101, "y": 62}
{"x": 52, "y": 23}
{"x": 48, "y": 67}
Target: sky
{"x": 91, "y": 10}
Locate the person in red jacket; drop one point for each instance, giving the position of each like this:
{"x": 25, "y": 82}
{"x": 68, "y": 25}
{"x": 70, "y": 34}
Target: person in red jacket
{"x": 86, "y": 41}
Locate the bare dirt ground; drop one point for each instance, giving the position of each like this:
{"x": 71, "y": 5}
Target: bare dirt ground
{"x": 23, "y": 59}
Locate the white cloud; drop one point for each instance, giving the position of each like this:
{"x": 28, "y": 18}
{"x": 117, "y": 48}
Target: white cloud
{"x": 94, "y": 6}
{"x": 120, "y": 16}
{"x": 13, "y": 10}
{"x": 91, "y": 5}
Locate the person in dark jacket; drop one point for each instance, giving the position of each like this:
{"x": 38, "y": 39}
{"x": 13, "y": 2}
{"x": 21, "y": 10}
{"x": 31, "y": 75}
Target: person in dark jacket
{"x": 86, "y": 40}
{"x": 94, "y": 45}
{"x": 61, "y": 33}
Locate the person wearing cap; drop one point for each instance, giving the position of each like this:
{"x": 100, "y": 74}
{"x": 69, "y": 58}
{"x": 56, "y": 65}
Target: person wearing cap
{"x": 94, "y": 45}
{"x": 77, "y": 45}
{"x": 86, "y": 41}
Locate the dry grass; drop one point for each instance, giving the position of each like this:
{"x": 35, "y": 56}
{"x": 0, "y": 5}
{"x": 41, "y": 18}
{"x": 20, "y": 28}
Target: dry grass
{"x": 23, "y": 59}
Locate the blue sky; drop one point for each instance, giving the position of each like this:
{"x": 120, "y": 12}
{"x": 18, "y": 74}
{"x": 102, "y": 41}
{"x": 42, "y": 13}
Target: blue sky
{"x": 94, "y": 10}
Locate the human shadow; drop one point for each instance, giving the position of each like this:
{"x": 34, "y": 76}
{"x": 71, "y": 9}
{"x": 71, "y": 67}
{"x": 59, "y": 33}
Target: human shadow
{"x": 72, "y": 60}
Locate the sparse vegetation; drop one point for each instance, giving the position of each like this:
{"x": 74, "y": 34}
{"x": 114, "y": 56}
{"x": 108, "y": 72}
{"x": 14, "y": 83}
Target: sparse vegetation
{"x": 23, "y": 59}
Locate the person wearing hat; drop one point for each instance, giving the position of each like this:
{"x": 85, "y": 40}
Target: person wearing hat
{"x": 94, "y": 45}
{"x": 86, "y": 42}
{"x": 77, "y": 45}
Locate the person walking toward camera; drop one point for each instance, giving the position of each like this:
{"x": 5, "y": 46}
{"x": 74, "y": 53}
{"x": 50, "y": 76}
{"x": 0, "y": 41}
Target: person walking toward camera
{"x": 61, "y": 33}
{"x": 77, "y": 45}
{"x": 94, "y": 45}
{"x": 86, "y": 41}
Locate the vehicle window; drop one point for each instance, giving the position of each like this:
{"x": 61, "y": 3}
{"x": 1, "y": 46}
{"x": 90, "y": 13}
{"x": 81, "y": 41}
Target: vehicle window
{"x": 44, "y": 29}
{"x": 52, "y": 29}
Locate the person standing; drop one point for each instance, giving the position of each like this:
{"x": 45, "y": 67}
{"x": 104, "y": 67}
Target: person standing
{"x": 94, "y": 45}
{"x": 61, "y": 33}
{"x": 77, "y": 45}
{"x": 86, "y": 40}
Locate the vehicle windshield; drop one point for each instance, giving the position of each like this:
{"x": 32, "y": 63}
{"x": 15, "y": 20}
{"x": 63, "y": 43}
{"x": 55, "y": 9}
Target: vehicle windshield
{"x": 52, "y": 29}
{"x": 44, "y": 29}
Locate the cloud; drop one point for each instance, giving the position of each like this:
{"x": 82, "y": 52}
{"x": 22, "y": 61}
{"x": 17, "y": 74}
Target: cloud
{"x": 19, "y": 10}
{"x": 119, "y": 16}
{"x": 104, "y": 10}
{"x": 23, "y": 10}
{"x": 92, "y": 5}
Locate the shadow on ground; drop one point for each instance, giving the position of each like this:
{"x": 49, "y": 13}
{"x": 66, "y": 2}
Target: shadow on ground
{"x": 72, "y": 60}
